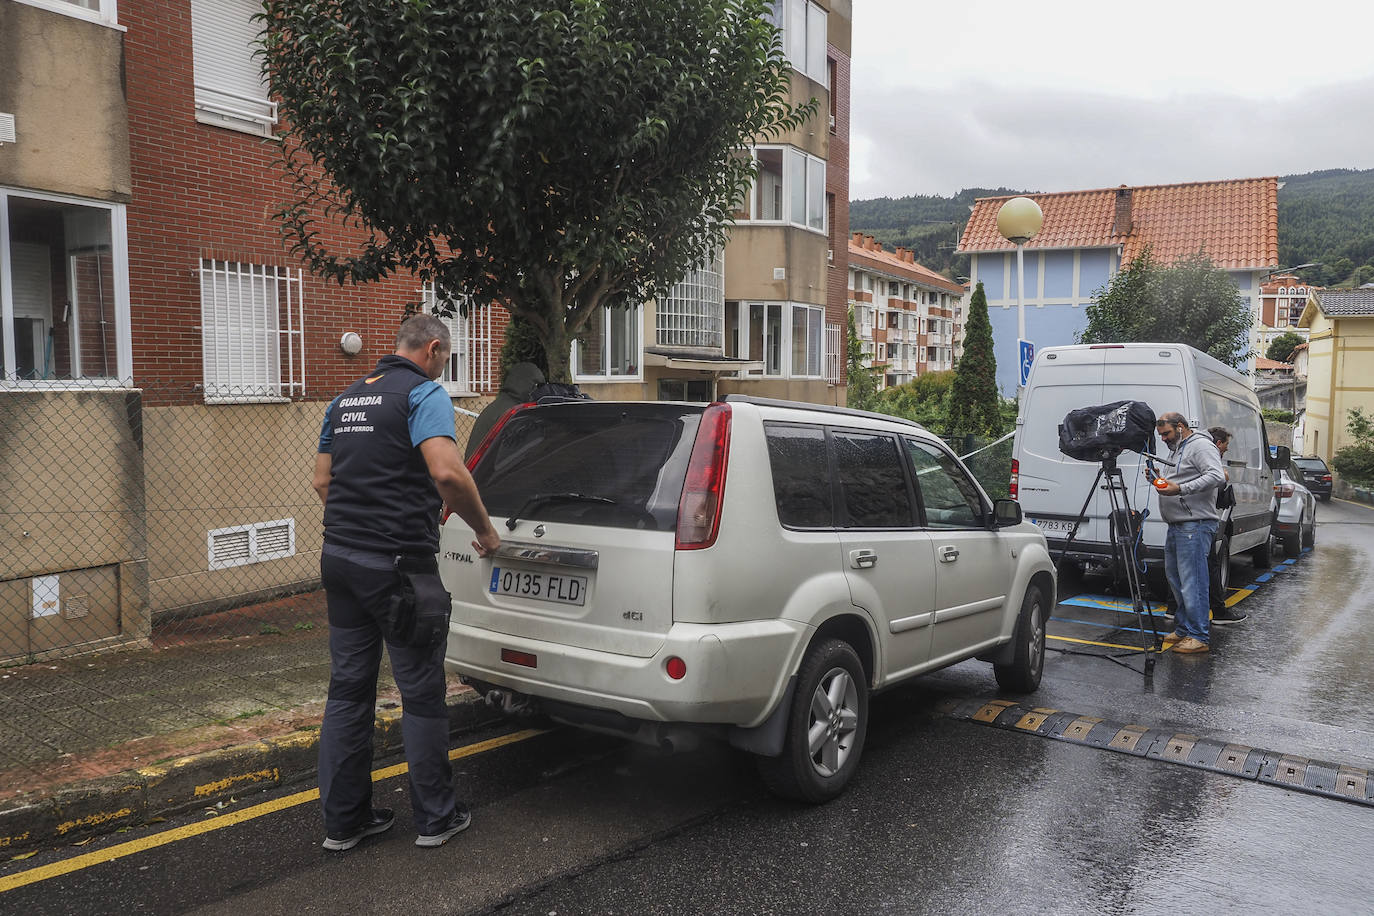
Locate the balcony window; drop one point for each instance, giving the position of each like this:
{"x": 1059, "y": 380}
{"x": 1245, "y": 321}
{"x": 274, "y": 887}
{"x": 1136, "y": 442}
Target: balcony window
{"x": 610, "y": 345}
{"x": 788, "y": 338}
{"x": 789, "y": 188}
{"x": 64, "y": 291}
{"x": 803, "y": 26}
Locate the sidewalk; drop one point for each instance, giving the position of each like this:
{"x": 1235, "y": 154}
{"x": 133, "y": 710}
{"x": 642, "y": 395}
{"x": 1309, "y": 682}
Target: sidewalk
{"x": 94, "y": 743}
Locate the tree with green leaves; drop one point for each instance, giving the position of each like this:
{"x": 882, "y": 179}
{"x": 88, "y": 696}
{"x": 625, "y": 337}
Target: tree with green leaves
{"x": 974, "y": 405}
{"x": 1281, "y": 347}
{"x": 1190, "y": 302}
{"x": 924, "y": 399}
{"x": 558, "y": 157}
{"x": 1355, "y": 462}
{"x": 861, "y": 379}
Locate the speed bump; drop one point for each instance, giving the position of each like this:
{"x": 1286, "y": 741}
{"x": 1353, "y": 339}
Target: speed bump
{"x": 1289, "y": 771}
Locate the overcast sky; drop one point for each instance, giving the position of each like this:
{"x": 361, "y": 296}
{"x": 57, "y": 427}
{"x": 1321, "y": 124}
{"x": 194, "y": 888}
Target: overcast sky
{"x": 1075, "y": 94}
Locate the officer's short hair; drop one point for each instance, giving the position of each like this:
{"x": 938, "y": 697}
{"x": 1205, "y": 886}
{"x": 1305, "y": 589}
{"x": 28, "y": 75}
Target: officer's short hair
{"x": 1219, "y": 434}
{"x": 418, "y": 330}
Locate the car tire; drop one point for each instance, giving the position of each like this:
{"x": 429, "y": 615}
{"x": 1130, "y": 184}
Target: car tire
{"x": 1022, "y": 673}
{"x": 832, "y": 695}
{"x": 1309, "y": 534}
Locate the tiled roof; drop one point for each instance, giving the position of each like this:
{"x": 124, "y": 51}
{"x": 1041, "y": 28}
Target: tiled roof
{"x": 1264, "y": 362}
{"x": 871, "y": 254}
{"x": 1348, "y": 303}
{"x": 1234, "y": 222}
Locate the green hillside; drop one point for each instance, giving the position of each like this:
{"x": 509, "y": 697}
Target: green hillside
{"x": 1325, "y": 216}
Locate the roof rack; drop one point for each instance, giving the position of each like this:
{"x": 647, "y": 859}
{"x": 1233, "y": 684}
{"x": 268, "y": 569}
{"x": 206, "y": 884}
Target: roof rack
{"x": 822, "y": 408}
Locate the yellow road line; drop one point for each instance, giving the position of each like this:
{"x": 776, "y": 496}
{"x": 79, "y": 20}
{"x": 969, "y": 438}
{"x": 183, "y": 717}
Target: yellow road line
{"x": 100, "y": 856}
{"x": 1351, "y": 502}
{"x": 1089, "y": 642}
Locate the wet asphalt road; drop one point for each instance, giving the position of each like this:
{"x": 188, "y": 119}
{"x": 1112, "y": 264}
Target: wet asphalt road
{"x": 944, "y": 815}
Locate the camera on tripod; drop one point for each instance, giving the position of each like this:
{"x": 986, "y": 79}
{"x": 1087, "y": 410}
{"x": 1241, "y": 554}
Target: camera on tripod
{"x": 1102, "y": 433}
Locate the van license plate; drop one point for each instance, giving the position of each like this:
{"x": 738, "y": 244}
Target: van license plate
{"x": 1054, "y": 525}
{"x": 557, "y": 587}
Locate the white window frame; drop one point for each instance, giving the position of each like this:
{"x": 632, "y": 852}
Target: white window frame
{"x": 230, "y": 347}
{"x": 225, "y": 93}
{"x": 119, "y": 254}
{"x": 635, "y": 325}
{"x": 804, "y": 26}
{"x": 814, "y": 217}
{"x": 785, "y": 338}
{"x": 473, "y": 345}
{"x": 104, "y": 13}
{"x": 693, "y": 313}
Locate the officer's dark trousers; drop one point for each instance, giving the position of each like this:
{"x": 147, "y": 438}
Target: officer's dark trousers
{"x": 356, "y": 594}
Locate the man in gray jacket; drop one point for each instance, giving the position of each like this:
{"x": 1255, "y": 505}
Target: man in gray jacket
{"x": 1188, "y": 504}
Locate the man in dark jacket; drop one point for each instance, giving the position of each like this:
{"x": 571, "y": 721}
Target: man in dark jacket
{"x": 516, "y": 388}
{"x": 388, "y": 458}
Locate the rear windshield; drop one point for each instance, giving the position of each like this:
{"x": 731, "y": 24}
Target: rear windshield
{"x": 1310, "y": 464}
{"x": 591, "y": 463}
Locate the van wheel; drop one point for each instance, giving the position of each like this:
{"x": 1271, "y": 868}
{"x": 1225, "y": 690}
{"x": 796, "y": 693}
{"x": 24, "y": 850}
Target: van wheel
{"x": 1220, "y": 570}
{"x": 1263, "y": 555}
{"x": 1022, "y": 674}
{"x": 825, "y": 729}
{"x": 1309, "y": 535}
{"x": 1157, "y": 582}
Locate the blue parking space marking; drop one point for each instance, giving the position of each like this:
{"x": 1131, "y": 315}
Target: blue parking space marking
{"x": 1106, "y": 603}
{"x": 1100, "y": 626}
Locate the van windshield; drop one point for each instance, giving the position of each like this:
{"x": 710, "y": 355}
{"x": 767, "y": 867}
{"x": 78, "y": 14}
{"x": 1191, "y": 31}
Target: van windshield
{"x": 591, "y": 463}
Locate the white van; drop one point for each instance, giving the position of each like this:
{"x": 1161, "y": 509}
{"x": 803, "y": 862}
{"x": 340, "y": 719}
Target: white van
{"x": 1052, "y": 488}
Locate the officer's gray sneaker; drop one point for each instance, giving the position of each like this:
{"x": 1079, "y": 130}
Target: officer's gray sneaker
{"x": 380, "y": 820}
{"x": 460, "y": 821}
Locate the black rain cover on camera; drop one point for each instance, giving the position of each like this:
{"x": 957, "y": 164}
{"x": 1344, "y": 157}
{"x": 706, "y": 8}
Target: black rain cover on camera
{"x": 1096, "y": 433}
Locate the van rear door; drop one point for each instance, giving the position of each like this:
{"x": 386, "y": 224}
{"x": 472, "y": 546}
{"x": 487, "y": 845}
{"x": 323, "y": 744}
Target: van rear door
{"x": 1054, "y": 487}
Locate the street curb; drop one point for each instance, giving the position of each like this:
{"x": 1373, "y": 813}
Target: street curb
{"x": 138, "y": 796}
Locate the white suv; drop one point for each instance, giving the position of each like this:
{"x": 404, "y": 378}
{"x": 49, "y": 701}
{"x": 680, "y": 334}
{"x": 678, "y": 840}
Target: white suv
{"x": 750, "y": 569}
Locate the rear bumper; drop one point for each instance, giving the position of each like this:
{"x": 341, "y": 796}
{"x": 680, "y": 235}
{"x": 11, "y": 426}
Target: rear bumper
{"x": 736, "y": 673}
{"x": 1093, "y": 550}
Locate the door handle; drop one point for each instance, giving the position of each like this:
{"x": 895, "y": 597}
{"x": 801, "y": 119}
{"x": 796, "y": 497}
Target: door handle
{"x": 949, "y": 554}
{"x": 863, "y": 559}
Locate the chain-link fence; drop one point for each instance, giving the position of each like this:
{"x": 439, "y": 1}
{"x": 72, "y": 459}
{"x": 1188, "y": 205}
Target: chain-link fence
{"x": 128, "y": 516}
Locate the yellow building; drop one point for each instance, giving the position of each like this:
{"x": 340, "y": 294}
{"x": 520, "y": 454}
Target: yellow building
{"x": 1340, "y": 365}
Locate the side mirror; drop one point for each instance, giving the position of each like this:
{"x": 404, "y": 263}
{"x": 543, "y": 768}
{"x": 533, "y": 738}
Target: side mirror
{"x": 1007, "y": 512}
{"x": 1280, "y": 457}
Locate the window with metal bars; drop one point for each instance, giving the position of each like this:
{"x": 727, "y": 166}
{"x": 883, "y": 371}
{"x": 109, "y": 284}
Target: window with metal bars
{"x": 252, "y": 332}
{"x": 469, "y": 367}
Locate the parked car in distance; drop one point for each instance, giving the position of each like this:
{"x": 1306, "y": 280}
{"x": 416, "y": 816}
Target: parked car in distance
{"x": 1316, "y": 476}
{"x": 749, "y": 570}
{"x": 1295, "y": 510}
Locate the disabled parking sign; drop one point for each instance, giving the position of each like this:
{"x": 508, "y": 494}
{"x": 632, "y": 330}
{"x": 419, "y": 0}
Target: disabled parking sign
{"x": 1026, "y": 350}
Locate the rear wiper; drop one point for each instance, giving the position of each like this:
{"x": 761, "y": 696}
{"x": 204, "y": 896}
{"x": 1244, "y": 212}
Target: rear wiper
{"x": 540, "y": 499}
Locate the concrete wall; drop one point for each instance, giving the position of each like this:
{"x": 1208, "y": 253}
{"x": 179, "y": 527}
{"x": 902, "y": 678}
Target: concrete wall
{"x": 753, "y": 252}
{"x": 63, "y": 80}
{"x": 71, "y": 507}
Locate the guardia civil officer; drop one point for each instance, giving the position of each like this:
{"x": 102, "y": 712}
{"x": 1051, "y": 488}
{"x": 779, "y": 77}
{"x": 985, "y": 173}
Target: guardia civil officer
{"x": 387, "y": 454}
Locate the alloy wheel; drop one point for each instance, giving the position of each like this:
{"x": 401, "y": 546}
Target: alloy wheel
{"x": 833, "y": 721}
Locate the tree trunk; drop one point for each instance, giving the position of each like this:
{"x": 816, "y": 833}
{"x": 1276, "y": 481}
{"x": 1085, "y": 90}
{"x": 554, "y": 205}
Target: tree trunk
{"x": 553, "y": 334}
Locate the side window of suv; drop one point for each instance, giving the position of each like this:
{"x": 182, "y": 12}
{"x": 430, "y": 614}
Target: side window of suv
{"x": 801, "y": 475}
{"x": 873, "y": 489}
{"x": 950, "y": 498}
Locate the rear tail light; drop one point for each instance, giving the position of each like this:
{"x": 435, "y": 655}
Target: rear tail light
{"x": 698, "y": 511}
{"x": 1283, "y": 490}
{"x": 486, "y": 444}
{"x": 1326, "y": 478}
{"x": 1014, "y": 487}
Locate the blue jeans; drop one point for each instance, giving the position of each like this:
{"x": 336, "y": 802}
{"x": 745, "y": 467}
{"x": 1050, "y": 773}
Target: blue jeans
{"x": 1186, "y": 548}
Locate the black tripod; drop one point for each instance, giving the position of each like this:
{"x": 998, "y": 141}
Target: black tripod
{"x": 1124, "y": 526}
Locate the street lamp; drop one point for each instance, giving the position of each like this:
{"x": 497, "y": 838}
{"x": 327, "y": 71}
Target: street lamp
{"x": 1019, "y": 220}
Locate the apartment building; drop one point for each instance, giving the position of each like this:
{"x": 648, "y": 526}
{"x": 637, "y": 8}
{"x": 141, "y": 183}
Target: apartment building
{"x": 1282, "y": 299}
{"x": 909, "y": 318}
